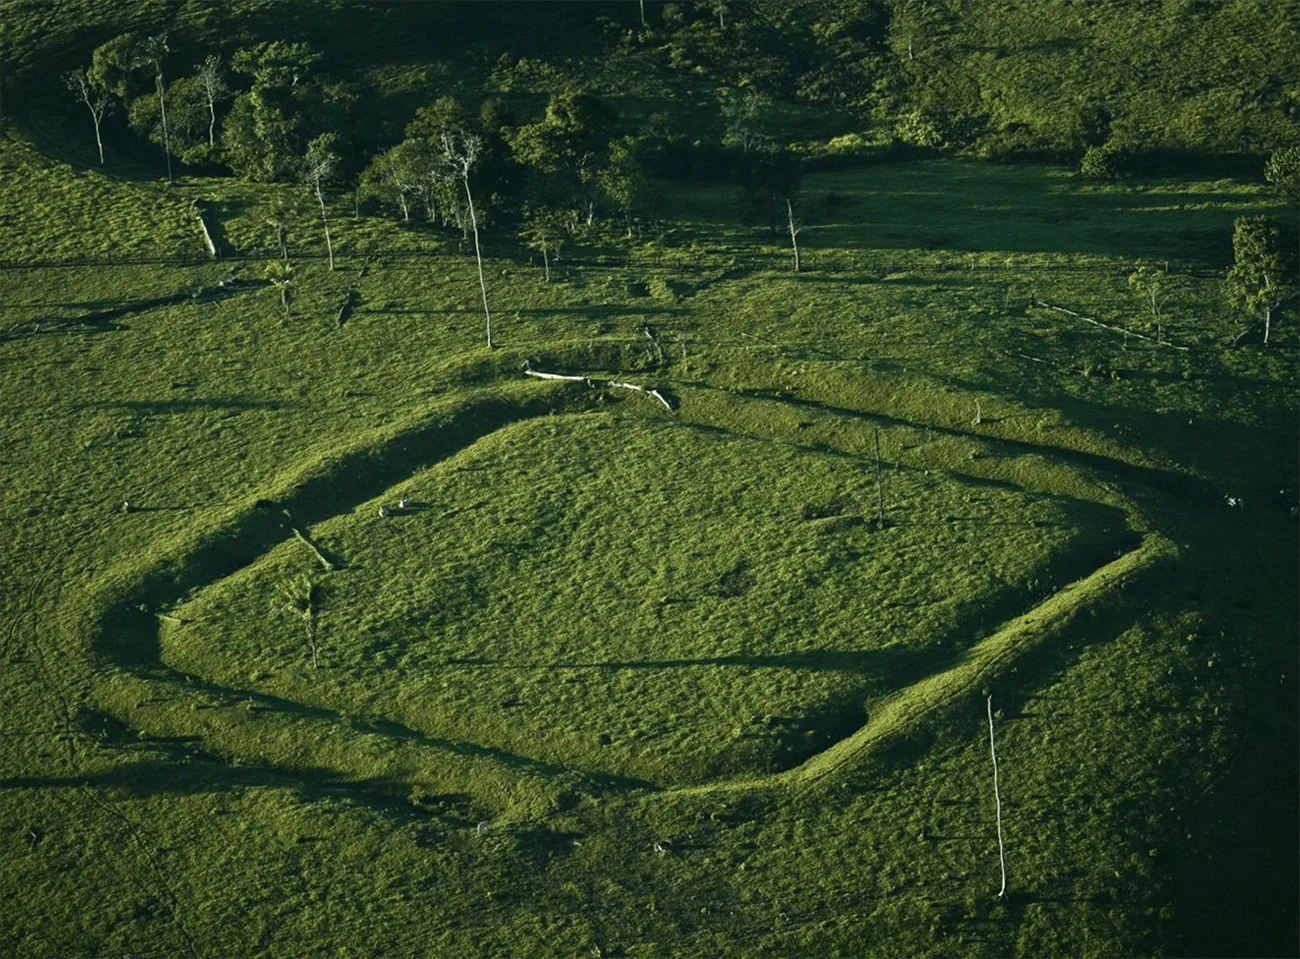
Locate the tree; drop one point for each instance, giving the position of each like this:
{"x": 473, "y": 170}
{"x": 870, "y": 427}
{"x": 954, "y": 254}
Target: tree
{"x": 543, "y": 230}
{"x": 565, "y": 150}
{"x": 392, "y": 176}
{"x": 423, "y": 152}
{"x": 768, "y": 179}
{"x": 150, "y": 53}
{"x": 187, "y": 120}
{"x": 1263, "y": 274}
{"x": 279, "y": 220}
{"x": 1150, "y": 284}
{"x": 1282, "y": 171}
{"x": 459, "y": 154}
{"x": 211, "y": 86}
{"x": 262, "y": 136}
{"x": 744, "y": 114}
{"x": 96, "y": 98}
{"x": 280, "y": 273}
{"x": 113, "y": 63}
{"x": 622, "y": 178}
{"x": 275, "y": 64}
{"x": 318, "y": 169}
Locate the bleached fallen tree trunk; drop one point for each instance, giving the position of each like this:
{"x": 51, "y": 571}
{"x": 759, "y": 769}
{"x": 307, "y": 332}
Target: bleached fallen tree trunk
{"x": 203, "y": 225}
{"x": 597, "y": 384}
{"x": 641, "y": 389}
{"x": 324, "y": 560}
{"x": 1158, "y": 341}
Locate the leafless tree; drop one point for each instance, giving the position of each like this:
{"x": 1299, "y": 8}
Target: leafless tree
{"x": 459, "y": 154}
{"x": 212, "y": 87}
{"x": 795, "y": 227}
{"x": 95, "y": 97}
{"x": 317, "y": 171}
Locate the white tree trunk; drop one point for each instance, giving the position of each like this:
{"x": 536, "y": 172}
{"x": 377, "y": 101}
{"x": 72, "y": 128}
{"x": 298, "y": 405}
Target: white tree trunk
{"x": 997, "y": 797}
{"x": 162, "y": 108}
{"x": 478, "y": 255}
{"x": 329, "y": 243}
{"x": 794, "y": 233}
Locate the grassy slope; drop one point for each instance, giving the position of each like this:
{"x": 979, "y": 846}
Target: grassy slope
{"x": 1144, "y": 737}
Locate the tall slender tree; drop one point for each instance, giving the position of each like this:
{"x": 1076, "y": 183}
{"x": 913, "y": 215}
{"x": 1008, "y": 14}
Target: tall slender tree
{"x": 1263, "y": 274}
{"x": 96, "y": 98}
{"x": 460, "y": 151}
{"x": 318, "y": 169}
{"x": 211, "y": 88}
{"x": 150, "y": 53}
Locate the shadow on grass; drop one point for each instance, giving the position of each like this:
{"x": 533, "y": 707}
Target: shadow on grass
{"x": 972, "y": 207}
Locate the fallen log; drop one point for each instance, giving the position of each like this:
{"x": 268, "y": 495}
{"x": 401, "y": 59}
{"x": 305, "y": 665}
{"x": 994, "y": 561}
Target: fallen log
{"x": 597, "y": 384}
{"x": 207, "y": 235}
{"x": 1113, "y": 329}
{"x": 324, "y": 560}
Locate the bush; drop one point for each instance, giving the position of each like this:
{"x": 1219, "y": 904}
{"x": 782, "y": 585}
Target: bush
{"x": 1105, "y": 162}
{"x": 919, "y": 130}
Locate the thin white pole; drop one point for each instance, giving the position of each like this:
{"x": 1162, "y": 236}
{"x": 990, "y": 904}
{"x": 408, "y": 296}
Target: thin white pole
{"x": 997, "y": 797}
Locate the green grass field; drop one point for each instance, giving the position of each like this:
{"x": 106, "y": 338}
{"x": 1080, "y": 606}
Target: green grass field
{"x": 625, "y": 680}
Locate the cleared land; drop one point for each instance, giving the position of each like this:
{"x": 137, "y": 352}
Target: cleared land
{"x": 703, "y": 588}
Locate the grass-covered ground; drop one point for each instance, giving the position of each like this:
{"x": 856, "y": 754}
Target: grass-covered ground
{"x": 631, "y": 681}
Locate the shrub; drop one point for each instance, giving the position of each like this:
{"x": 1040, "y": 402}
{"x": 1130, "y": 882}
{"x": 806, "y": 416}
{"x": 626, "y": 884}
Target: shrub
{"x": 1105, "y": 162}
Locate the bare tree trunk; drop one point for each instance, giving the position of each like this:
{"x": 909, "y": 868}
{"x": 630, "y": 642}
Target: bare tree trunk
{"x": 478, "y": 255}
{"x": 162, "y": 108}
{"x": 546, "y": 263}
{"x": 1268, "y": 322}
{"x": 329, "y": 243}
{"x": 212, "y": 122}
{"x": 406, "y": 210}
{"x": 98, "y": 142}
{"x": 794, "y": 233}
{"x": 282, "y": 235}
{"x": 880, "y": 486}
{"x": 642, "y": 14}
{"x": 997, "y": 797}
{"x": 311, "y": 636}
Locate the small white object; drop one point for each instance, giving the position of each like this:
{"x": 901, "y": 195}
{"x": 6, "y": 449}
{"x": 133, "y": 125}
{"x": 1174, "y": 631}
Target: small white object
{"x": 481, "y": 828}
{"x": 384, "y": 511}
{"x": 404, "y": 503}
